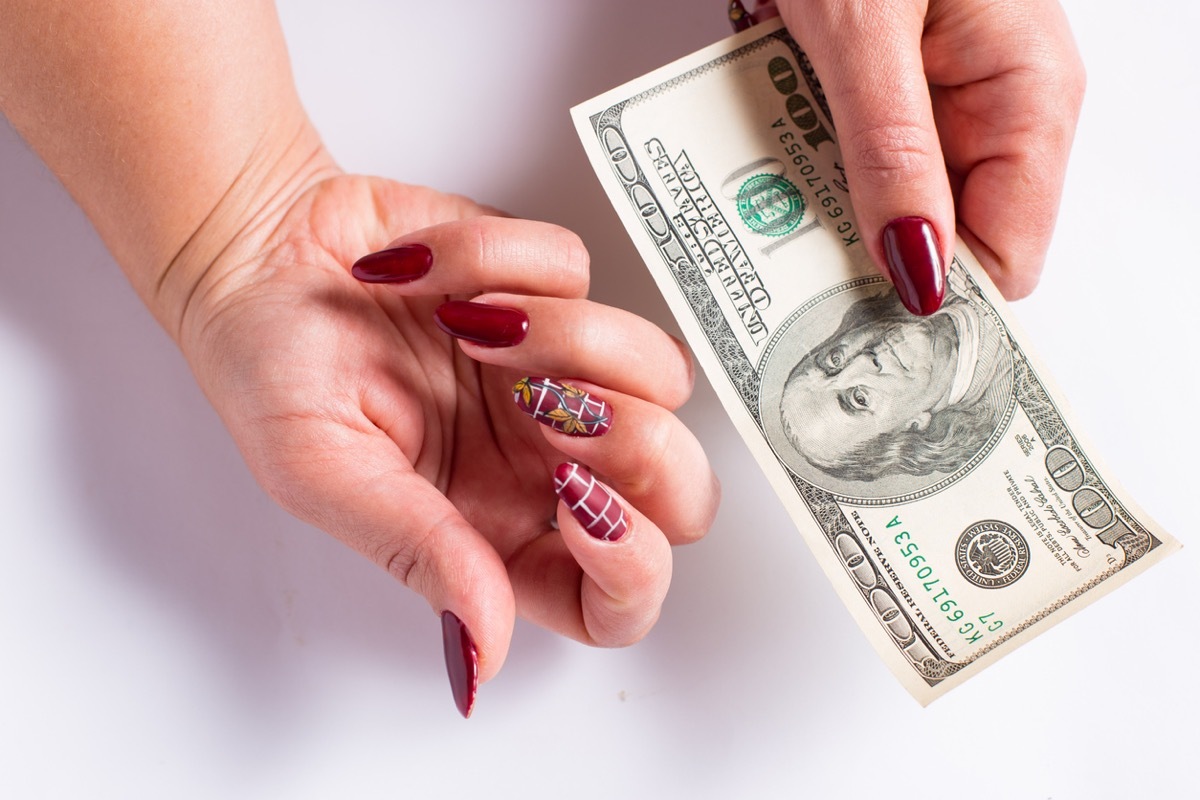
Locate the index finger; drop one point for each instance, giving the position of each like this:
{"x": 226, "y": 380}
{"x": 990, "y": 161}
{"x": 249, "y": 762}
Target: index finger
{"x": 481, "y": 254}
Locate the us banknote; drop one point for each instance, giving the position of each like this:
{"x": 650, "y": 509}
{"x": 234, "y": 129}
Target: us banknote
{"x": 929, "y": 462}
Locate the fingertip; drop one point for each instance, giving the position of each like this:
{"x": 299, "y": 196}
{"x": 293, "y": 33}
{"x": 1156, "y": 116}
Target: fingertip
{"x": 685, "y": 383}
{"x": 482, "y": 324}
{"x": 625, "y": 559}
{"x": 462, "y": 662}
{"x": 475, "y": 642}
{"x": 401, "y": 264}
{"x": 1015, "y": 275}
{"x": 912, "y": 252}
{"x": 467, "y": 585}
{"x": 590, "y": 502}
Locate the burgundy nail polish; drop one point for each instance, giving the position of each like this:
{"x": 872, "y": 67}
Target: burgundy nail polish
{"x": 739, "y": 17}
{"x": 914, "y": 258}
{"x": 462, "y": 662}
{"x": 563, "y": 407}
{"x": 491, "y": 326}
{"x": 592, "y": 505}
{"x": 394, "y": 265}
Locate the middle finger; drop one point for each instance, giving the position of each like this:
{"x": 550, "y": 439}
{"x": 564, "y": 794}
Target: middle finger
{"x": 555, "y": 336}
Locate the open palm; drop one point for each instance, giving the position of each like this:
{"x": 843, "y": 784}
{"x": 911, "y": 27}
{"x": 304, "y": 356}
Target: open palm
{"x": 359, "y": 414}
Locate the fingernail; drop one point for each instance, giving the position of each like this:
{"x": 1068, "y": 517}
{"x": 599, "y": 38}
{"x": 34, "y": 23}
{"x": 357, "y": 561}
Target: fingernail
{"x": 914, "y": 258}
{"x": 739, "y": 17}
{"x": 394, "y": 265}
{"x": 462, "y": 662}
{"x": 563, "y": 407}
{"x": 491, "y": 326}
{"x": 592, "y": 505}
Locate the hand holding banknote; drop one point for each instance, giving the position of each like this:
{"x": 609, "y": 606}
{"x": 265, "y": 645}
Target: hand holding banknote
{"x": 950, "y": 112}
{"x": 927, "y": 458}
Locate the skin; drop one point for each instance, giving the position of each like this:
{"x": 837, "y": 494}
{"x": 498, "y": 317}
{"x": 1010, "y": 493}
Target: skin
{"x": 200, "y": 170}
{"x": 849, "y": 392}
{"x": 196, "y": 163}
{"x": 958, "y": 111}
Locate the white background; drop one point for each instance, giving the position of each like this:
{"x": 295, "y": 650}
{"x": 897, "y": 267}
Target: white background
{"x": 165, "y": 632}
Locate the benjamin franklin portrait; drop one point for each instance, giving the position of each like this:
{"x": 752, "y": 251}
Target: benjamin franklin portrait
{"x": 886, "y": 403}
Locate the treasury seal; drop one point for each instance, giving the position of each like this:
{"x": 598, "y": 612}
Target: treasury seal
{"x": 992, "y": 554}
{"x": 770, "y": 205}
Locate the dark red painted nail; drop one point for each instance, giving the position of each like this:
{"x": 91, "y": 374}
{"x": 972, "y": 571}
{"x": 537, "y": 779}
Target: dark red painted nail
{"x": 914, "y": 258}
{"x": 462, "y": 662}
{"x": 491, "y": 326}
{"x": 739, "y": 17}
{"x": 592, "y": 505}
{"x": 394, "y": 265}
{"x": 563, "y": 407}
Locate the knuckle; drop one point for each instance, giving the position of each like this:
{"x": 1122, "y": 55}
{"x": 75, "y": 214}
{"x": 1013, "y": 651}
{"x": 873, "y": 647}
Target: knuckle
{"x": 643, "y": 474}
{"x": 674, "y": 372}
{"x": 408, "y": 560}
{"x": 687, "y": 380}
{"x": 400, "y": 559}
{"x": 1018, "y": 284}
{"x": 697, "y": 515}
{"x": 573, "y": 262}
{"x": 1075, "y": 82}
{"x": 891, "y": 154}
{"x": 487, "y": 250}
{"x": 611, "y": 625}
{"x": 705, "y": 513}
{"x": 582, "y": 340}
{"x": 556, "y": 255}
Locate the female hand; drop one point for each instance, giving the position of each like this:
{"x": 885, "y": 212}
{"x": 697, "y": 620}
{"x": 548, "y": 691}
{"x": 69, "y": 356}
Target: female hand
{"x": 945, "y": 107}
{"x": 359, "y": 415}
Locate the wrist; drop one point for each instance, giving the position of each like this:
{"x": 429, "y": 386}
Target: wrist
{"x": 241, "y": 224}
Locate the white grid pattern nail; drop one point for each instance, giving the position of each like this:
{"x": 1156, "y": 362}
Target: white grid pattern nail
{"x": 592, "y": 505}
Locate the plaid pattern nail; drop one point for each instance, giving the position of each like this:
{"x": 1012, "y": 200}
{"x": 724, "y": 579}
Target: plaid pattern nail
{"x": 592, "y": 505}
{"x": 563, "y": 407}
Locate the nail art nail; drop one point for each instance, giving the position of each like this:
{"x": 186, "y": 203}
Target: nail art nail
{"x": 563, "y": 407}
{"x": 914, "y": 258}
{"x": 491, "y": 326}
{"x": 394, "y": 265}
{"x": 592, "y": 505}
{"x": 739, "y": 17}
{"x": 462, "y": 662}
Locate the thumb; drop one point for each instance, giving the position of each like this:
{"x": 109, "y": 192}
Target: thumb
{"x": 363, "y": 491}
{"x": 867, "y": 55}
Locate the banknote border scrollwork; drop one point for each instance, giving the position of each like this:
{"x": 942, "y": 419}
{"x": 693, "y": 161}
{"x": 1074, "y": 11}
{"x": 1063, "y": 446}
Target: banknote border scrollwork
{"x": 1049, "y": 423}
{"x": 1033, "y": 398}
{"x": 691, "y": 282}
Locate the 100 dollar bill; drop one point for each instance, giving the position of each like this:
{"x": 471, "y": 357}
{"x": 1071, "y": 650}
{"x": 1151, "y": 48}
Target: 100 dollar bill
{"x": 928, "y": 462}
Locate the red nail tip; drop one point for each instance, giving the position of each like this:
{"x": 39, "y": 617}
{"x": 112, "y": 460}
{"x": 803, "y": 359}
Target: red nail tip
{"x": 563, "y": 407}
{"x": 592, "y": 505}
{"x": 491, "y": 326}
{"x": 394, "y": 265}
{"x": 462, "y": 662}
{"x": 914, "y": 258}
{"x": 739, "y": 17}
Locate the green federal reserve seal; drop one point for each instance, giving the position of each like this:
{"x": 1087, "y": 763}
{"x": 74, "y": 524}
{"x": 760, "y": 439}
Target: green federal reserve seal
{"x": 770, "y": 205}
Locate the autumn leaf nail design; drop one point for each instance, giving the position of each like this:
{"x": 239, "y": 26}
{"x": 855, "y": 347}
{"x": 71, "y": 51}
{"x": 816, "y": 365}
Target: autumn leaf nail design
{"x": 563, "y": 407}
